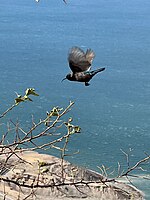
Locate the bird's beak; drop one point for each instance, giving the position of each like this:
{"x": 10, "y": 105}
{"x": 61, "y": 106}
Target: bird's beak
{"x": 63, "y": 79}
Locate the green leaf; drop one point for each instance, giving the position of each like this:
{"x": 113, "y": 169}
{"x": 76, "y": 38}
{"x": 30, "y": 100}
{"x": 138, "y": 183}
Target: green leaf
{"x": 77, "y": 129}
{"x": 55, "y": 111}
{"x": 27, "y": 98}
{"x": 22, "y": 99}
{"x": 31, "y": 91}
{"x": 19, "y": 99}
{"x": 42, "y": 164}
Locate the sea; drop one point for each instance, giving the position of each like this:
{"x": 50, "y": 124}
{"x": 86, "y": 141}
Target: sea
{"x": 114, "y": 111}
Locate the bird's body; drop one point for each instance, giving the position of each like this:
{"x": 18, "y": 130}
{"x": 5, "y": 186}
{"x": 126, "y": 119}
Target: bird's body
{"x": 83, "y": 76}
{"x": 80, "y": 65}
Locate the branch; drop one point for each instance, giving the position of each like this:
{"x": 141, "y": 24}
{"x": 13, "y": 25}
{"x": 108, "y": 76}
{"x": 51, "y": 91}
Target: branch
{"x": 135, "y": 166}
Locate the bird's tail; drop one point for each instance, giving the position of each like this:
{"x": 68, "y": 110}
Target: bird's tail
{"x": 97, "y": 71}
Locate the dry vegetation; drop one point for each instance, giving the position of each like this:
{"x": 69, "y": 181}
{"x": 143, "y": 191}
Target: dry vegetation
{"x": 29, "y": 175}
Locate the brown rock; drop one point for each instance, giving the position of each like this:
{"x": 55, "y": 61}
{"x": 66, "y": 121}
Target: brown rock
{"x": 42, "y": 176}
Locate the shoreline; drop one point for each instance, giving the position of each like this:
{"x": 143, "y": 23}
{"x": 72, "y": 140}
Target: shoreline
{"x": 41, "y": 170}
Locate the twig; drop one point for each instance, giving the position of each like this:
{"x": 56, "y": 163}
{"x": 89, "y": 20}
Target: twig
{"x": 9, "y": 109}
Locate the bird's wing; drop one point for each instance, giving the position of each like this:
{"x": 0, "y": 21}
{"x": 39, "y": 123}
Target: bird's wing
{"x": 80, "y": 61}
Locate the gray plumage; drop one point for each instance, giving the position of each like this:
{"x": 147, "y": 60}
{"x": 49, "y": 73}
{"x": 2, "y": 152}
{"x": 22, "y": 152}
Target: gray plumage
{"x": 80, "y": 61}
{"x": 80, "y": 64}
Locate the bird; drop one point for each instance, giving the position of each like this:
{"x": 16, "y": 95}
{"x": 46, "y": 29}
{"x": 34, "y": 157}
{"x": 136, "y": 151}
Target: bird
{"x": 80, "y": 64}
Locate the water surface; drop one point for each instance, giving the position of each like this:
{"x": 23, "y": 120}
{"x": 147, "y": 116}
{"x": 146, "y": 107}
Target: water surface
{"x": 114, "y": 110}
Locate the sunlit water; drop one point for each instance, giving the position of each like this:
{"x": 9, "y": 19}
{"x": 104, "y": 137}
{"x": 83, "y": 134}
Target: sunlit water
{"x": 114, "y": 111}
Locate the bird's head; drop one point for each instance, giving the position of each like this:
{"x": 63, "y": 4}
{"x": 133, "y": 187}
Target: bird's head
{"x": 69, "y": 77}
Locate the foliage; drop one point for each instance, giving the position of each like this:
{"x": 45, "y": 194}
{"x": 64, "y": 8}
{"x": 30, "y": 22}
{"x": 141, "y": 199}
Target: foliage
{"x": 58, "y": 132}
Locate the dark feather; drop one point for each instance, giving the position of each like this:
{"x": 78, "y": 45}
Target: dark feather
{"x": 79, "y": 61}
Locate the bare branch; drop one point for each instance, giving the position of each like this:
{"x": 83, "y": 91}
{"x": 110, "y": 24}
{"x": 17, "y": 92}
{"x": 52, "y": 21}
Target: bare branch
{"x": 135, "y": 166}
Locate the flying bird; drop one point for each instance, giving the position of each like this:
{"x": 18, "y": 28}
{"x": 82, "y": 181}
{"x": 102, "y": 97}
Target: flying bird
{"x": 80, "y": 64}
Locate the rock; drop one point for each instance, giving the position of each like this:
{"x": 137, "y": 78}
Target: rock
{"x": 50, "y": 178}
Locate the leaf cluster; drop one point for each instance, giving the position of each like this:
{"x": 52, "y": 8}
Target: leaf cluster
{"x": 28, "y": 92}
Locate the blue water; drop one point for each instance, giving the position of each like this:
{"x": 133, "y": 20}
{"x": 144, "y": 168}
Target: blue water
{"x": 114, "y": 111}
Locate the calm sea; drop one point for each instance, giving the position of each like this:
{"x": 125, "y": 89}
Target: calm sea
{"x": 114, "y": 111}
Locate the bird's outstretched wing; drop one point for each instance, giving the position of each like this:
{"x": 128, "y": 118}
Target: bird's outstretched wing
{"x": 80, "y": 61}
